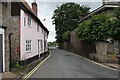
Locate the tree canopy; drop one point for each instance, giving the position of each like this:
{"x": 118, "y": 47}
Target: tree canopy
{"x": 117, "y": 23}
{"x": 66, "y": 18}
{"x": 99, "y": 27}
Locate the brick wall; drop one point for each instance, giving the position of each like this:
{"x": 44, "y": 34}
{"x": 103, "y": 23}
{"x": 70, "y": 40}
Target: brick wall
{"x": 78, "y": 46}
{"x": 82, "y": 47}
{"x": 98, "y": 51}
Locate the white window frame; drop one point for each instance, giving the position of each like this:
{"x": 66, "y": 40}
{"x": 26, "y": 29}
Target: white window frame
{"x": 42, "y": 30}
{"x": 28, "y": 46}
{"x": 24, "y": 21}
{"x": 41, "y": 42}
{"x": 45, "y": 44}
{"x": 38, "y": 28}
{"x": 29, "y": 22}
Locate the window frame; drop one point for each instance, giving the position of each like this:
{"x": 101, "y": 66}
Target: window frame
{"x": 28, "y": 45}
{"x": 38, "y": 28}
{"x": 24, "y": 21}
{"x": 41, "y": 42}
{"x": 29, "y": 22}
{"x": 42, "y": 30}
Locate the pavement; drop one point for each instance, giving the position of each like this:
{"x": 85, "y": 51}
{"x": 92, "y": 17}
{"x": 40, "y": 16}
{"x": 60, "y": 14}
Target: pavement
{"x": 61, "y": 64}
{"x": 20, "y": 72}
{"x": 8, "y": 75}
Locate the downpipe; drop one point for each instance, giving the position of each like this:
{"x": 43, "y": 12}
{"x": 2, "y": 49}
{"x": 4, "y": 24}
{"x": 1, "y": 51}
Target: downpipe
{"x": 10, "y": 50}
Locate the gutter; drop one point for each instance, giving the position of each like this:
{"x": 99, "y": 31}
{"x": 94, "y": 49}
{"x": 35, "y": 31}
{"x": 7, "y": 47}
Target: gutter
{"x": 10, "y": 50}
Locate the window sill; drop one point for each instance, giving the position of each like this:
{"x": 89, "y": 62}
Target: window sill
{"x": 28, "y": 51}
{"x": 29, "y": 26}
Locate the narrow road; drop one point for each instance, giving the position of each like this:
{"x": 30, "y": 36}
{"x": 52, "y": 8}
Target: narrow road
{"x": 61, "y": 64}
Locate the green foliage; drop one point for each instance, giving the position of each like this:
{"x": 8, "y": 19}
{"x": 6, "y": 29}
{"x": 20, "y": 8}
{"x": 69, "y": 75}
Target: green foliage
{"x": 117, "y": 12}
{"x": 99, "y": 28}
{"x": 66, "y": 36}
{"x": 66, "y": 18}
{"x": 52, "y": 44}
{"x": 17, "y": 65}
{"x": 117, "y": 23}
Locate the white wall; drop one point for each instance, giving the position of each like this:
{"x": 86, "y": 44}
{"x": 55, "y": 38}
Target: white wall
{"x": 29, "y": 33}
{"x": 2, "y": 32}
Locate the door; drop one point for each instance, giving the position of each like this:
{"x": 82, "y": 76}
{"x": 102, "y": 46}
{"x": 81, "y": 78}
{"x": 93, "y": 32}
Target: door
{"x": 1, "y": 53}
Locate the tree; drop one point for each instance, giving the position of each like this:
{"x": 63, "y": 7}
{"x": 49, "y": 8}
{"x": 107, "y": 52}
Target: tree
{"x": 66, "y": 36}
{"x": 52, "y": 44}
{"x": 66, "y": 18}
{"x": 117, "y": 23}
{"x": 100, "y": 27}
{"x": 117, "y": 12}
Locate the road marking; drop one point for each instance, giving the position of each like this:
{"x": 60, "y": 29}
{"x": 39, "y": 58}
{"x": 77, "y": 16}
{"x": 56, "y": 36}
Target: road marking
{"x": 35, "y": 69}
{"x": 94, "y": 62}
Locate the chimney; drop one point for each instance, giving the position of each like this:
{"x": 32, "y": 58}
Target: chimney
{"x": 34, "y": 7}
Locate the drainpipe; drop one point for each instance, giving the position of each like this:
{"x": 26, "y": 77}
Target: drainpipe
{"x": 10, "y": 50}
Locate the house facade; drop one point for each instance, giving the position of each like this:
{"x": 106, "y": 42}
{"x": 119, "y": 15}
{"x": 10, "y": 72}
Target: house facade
{"x": 31, "y": 35}
{"x": 33, "y": 38}
{"x": 23, "y": 38}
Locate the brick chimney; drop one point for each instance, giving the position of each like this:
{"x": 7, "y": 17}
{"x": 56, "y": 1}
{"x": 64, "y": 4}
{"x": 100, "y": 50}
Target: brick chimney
{"x": 34, "y": 7}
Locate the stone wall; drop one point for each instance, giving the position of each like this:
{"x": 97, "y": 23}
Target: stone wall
{"x": 6, "y": 23}
{"x": 11, "y": 25}
{"x": 15, "y": 40}
{"x": 78, "y": 46}
{"x": 99, "y": 51}
{"x": 107, "y": 52}
{"x": 82, "y": 47}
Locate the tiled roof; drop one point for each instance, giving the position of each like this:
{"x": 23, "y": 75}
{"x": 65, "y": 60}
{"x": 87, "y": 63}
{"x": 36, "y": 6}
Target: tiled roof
{"x": 101, "y": 8}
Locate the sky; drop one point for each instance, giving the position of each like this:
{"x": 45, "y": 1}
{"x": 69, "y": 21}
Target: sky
{"x": 46, "y": 9}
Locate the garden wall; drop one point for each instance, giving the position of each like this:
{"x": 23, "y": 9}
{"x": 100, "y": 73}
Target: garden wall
{"x": 99, "y": 51}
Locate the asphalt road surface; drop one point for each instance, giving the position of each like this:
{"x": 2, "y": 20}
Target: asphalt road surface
{"x": 62, "y": 64}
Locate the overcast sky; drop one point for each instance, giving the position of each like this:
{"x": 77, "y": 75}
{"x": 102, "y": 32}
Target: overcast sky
{"x": 47, "y": 7}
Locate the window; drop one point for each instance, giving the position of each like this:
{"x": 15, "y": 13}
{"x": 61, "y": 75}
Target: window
{"x": 38, "y": 28}
{"x": 24, "y": 21}
{"x": 45, "y": 44}
{"x": 41, "y": 45}
{"x": 28, "y": 45}
{"x": 42, "y": 31}
{"x": 4, "y": 3}
{"x": 29, "y": 22}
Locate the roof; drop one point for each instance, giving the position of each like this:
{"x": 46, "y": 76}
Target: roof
{"x": 108, "y": 5}
{"x": 24, "y": 5}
